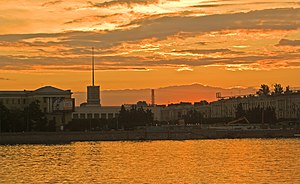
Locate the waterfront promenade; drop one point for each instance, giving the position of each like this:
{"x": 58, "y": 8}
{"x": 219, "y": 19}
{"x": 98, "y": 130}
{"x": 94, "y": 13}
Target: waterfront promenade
{"x": 136, "y": 135}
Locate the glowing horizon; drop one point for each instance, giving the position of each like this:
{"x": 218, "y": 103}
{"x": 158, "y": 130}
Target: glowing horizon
{"x": 149, "y": 44}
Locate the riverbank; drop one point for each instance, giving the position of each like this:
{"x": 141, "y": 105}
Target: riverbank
{"x": 135, "y": 135}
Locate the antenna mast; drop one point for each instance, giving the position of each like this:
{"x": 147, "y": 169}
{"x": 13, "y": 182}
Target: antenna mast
{"x": 93, "y": 67}
{"x": 152, "y": 97}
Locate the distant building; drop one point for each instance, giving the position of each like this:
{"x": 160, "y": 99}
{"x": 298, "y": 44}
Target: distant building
{"x": 176, "y": 111}
{"x": 109, "y": 112}
{"x": 57, "y": 104}
{"x": 286, "y": 106}
{"x": 92, "y": 108}
{"x": 94, "y": 112}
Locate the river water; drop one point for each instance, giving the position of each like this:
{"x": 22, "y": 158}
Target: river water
{"x": 199, "y": 161}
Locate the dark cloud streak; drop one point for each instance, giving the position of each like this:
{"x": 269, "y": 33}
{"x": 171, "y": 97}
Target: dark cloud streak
{"x": 274, "y": 19}
{"x": 128, "y": 3}
{"x": 209, "y": 51}
{"x": 50, "y": 3}
{"x": 159, "y": 28}
{"x": 286, "y": 42}
{"x": 6, "y": 79}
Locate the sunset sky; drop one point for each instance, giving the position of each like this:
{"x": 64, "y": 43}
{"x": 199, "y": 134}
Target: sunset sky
{"x": 149, "y": 43}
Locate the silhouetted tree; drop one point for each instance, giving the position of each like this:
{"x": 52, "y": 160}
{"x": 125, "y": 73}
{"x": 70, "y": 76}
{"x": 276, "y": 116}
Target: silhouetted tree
{"x": 51, "y": 126}
{"x": 240, "y": 111}
{"x": 203, "y": 102}
{"x": 257, "y": 114}
{"x": 92, "y": 124}
{"x": 141, "y": 104}
{"x": 193, "y": 117}
{"x": 149, "y": 117}
{"x": 4, "y": 119}
{"x": 123, "y": 117}
{"x": 17, "y": 122}
{"x": 278, "y": 89}
{"x": 35, "y": 118}
{"x": 134, "y": 117}
{"x": 264, "y": 90}
{"x": 288, "y": 90}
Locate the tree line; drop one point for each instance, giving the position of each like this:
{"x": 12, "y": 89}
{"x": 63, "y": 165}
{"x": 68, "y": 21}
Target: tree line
{"x": 31, "y": 118}
{"x": 264, "y": 90}
{"x": 257, "y": 114}
{"x": 254, "y": 115}
{"x": 127, "y": 119}
{"x": 135, "y": 117}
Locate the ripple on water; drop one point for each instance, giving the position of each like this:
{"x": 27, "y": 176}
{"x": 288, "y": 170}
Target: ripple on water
{"x": 199, "y": 161}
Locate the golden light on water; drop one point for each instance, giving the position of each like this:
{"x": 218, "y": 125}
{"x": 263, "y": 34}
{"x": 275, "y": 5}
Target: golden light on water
{"x": 202, "y": 161}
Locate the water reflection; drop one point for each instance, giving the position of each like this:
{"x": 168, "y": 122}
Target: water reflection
{"x": 201, "y": 161}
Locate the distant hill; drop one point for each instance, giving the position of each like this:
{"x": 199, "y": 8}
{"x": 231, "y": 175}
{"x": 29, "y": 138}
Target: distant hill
{"x": 164, "y": 95}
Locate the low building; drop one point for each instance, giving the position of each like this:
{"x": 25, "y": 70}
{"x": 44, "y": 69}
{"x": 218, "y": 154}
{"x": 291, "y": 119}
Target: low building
{"x": 286, "y": 106}
{"x": 96, "y": 112}
{"x": 56, "y": 103}
{"x": 175, "y": 111}
{"x": 110, "y": 112}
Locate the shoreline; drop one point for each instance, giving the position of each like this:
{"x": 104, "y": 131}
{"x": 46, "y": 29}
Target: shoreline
{"x": 139, "y": 135}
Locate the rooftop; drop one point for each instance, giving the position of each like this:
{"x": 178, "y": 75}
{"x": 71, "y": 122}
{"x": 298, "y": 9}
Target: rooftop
{"x": 42, "y": 90}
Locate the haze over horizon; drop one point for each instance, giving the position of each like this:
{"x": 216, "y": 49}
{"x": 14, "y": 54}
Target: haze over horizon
{"x": 167, "y": 95}
{"x": 142, "y": 44}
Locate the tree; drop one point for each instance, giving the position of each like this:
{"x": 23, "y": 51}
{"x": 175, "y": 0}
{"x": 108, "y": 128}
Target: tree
{"x": 17, "y": 122}
{"x": 278, "y": 89}
{"x": 134, "y": 117}
{"x": 4, "y": 118}
{"x": 257, "y": 114}
{"x": 288, "y": 90}
{"x": 264, "y": 90}
{"x": 193, "y": 117}
{"x": 123, "y": 117}
{"x": 149, "y": 117}
{"x": 240, "y": 111}
{"x": 35, "y": 118}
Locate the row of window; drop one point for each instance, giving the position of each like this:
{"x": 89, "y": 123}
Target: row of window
{"x": 8, "y": 101}
{"x": 95, "y": 116}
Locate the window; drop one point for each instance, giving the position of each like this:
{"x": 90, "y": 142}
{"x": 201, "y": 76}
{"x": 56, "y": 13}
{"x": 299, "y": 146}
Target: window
{"x": 110, "y": 115}
{"x": 7, "y": 101}
{"x": 19, "y": 101}
{"x": 117, "y": 115}
{"x": 179, "y": 115}
{"x": 24, "y": 101}
{"x": 89, "y": 116}
{"x": 96, "y": 116}
{"x": 75, "y": 116}
{"x": 82, "y": 116}
{"x": 103, "y": 115}
{"x": 45, "y": 99}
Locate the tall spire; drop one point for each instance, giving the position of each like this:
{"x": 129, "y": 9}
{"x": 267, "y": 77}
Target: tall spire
{"x": 93, "y": 67}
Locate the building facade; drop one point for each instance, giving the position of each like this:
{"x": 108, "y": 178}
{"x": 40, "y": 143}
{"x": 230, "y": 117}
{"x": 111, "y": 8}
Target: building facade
{"x": 57, "y": 104}
{"x": 110, "y": 112}
{"x": 286, "y": 106}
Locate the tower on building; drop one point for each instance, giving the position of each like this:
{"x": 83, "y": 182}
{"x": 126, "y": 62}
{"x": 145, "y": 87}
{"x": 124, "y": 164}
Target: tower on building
{"x": 93, "y": 92}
